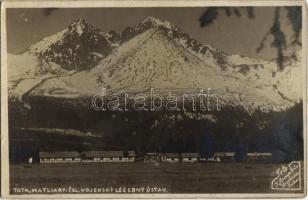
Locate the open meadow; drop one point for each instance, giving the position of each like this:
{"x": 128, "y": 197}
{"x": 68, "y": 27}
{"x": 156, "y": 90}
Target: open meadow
{"x": 174, "y": 177}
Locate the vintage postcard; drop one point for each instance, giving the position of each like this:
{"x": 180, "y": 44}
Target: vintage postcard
{"x": 153, "y": 99}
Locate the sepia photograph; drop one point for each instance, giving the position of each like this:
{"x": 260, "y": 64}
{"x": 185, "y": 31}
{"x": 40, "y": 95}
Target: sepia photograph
{"x": 166, "y": 98}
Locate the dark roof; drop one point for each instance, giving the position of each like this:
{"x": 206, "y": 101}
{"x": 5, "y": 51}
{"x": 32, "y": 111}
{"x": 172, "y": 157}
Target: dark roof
{"x": 59, "y": 154}
{"x": 97, "y": 154}
{"x": 190, "y": 155}
{"x": 172, "y": 155}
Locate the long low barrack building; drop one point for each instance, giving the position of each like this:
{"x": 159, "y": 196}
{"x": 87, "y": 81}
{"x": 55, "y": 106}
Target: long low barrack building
{"x": 86, "y": 156}
{"x": 108, "y": 156}
{"x": 59, "y": 157}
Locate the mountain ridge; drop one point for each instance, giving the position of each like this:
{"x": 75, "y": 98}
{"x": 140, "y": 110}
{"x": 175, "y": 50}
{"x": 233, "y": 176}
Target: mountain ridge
{"x": 237, "y": 68}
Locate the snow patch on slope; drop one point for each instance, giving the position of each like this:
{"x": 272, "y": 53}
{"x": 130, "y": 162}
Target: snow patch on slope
{"x": 45, "y": 43}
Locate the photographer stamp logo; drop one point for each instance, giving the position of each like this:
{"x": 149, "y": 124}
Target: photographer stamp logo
{"x": 288, "y": 177}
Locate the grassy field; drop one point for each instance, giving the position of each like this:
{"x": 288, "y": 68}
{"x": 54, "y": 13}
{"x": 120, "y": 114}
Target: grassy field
{"x": 176, "y": 178}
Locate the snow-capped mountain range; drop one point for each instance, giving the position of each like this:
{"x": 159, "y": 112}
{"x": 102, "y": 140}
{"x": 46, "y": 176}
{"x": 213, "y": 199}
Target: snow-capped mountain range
{"x": 81, "y": 60}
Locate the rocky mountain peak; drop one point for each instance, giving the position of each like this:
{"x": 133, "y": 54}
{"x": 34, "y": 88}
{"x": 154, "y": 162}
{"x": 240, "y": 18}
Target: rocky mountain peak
{"x": 145, "y": 24}
{"x": 152, "y": 21}
{"x": 79, "y": 47}
{"x": 80, "y": 26}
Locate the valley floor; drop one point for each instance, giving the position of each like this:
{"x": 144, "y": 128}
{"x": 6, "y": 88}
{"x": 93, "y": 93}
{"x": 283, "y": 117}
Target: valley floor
{"x": 170, "y": 178}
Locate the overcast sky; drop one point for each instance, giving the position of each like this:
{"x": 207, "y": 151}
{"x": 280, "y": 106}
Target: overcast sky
{"x": 233, "y": 35}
